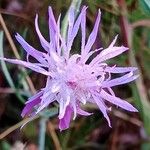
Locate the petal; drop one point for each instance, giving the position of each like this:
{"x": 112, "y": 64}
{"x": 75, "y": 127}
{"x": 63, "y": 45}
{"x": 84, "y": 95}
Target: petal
{"x": 108, "y": 53}
{"x": 30, "y": 50}
{"x": 55, "y": 57}
{"x": 63, "y": 103}
{"x": 82, "y": 97}
{"x": 44, "y": 43}
{"x": 52, "y": 26}
{"x": 113, "y": 42}
{"x": 82, "y": 112}
{"x": 29, "y": 65}
{"x": 120, "y": 69}
{"x": 112, "y": 52}
{"x": 45, "y": 102}
{"x": 93, "y": 34}
{"x": 33, "y": 101}
{"x": 65, "y": 121}
{"x": 121, "y": 80}
{"x": 102, "y": 107}
{"x": 86, "y": 57}
{"x": 58, "y": 46}
{"x": 83, "y": 30}
{"x": 55, "y": 87}
{"x": 72, "y": 34}
{"x": 71, "y": 18}
{"x": 74, "y": 106}
{"x": 110, "y": 91}
{"x": 117, "y": 101}
{"x": 37, "y": 95}
{"x": 77, "y": 24}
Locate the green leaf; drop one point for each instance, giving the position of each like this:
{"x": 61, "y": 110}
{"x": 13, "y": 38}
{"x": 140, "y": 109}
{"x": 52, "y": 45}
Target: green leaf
{"x": 3, "y": 64}
{"x": 6, "y": 72}
{"x": 76, "y": 5}
{"x": 145, "y": 6}
{"x": 5, "y": 145}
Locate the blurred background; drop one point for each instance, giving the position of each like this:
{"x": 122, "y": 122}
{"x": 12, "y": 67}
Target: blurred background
{"x": 130, "y": 19}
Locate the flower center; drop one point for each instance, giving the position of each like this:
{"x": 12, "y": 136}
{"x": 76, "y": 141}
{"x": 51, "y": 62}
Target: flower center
{"x": 71, "y": 84}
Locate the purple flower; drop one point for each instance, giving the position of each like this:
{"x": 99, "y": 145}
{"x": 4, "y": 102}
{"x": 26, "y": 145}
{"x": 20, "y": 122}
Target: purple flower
{"x": 71, "y": 81}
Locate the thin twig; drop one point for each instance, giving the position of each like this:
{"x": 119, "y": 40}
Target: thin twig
{"x": 48, "y": 113}
{"x": 118, "y": 114}
{"x": 126, "y": 117}
{"x": 128, "y": 32}
{"x": 12, "y": 91}
{"x": 7, "y": 90}
{"x": 14, "y": 49}
{"x": 142, "y": 97}
{"x": 145, "y": 23}
{"x": 9, "y": 37}
{"x": 20, "y": 15}
{"x": 16, "y": 126}
{"x": 53, "y": 134}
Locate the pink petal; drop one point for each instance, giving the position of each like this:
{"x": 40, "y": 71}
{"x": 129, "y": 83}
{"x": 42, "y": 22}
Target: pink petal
{"x": 71, "y": 22}
{"x": 52, "y": 26}
{"x": 65, "y": 121}
{"x": 33, "y": 101}
{"x": 117, "y": 101}
{"x": 108, "y": 53}
{"x": 58, "y": 46}
{"x": 113, "y": 42}
{"x": 30, "y": 50}
{"x": 64, "y": 101}
{"x": 120, "y": 69}
{"x": 29, "y": 65}
{"x": 37, "y": 95}
{"x": 44, "y": 43}
{"x": 121, "y": 80}
{"x": 75, "y": 28}
{"x": 83, "y": 30}
{"x": 82, "y": 112}
{"x": 93, "y": 34}
{"x": 45, "y": 102}
{"x": 102, "y": 107}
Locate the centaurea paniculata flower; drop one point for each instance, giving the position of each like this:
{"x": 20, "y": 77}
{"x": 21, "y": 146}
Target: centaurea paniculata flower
{"x": 71, "y": 81}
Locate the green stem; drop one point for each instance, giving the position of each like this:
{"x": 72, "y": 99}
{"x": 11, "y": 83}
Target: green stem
{"x": 76, "y": 5}
{"x": 6, "y": 72}
{"x": 45, "y": 115}
{"x": 42, "y": 133}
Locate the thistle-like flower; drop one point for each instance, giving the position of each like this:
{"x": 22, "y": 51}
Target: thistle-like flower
{"x": 71, "y": 81}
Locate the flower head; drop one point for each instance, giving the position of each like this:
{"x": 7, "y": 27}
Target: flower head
{"x": 71, "y": 81}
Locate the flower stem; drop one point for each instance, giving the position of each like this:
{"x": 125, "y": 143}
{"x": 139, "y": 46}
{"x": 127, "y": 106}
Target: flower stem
{"x": 76, "y": 5}
{"x": 14, "y": 49}
{"x": 42, "y": 133}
